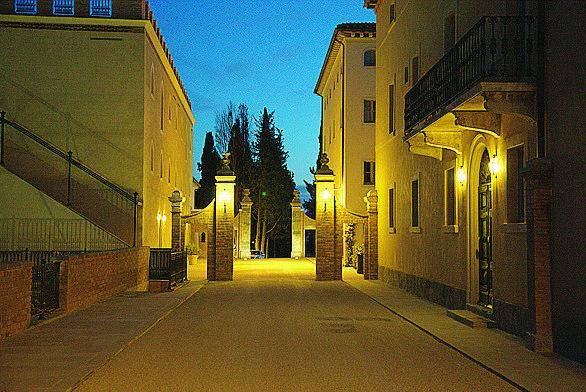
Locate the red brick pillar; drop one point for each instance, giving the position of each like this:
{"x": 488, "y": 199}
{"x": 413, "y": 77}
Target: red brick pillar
{"x": 538, "y": 204}
{"x": 224, "y": 224}
{"x": 371, "y": 262}
{"x": 326, "y": 265}
{"x": 176, "y": 226}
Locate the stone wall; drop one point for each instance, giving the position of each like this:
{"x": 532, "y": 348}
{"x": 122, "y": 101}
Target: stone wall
{"x": 15, "y": 298}
{"x": 91, "y": 278}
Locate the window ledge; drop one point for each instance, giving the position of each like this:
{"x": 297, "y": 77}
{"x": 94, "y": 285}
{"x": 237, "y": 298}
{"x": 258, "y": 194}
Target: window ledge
{"x": 392, "y": 230}
{"x": 514, "y": 227}
{"x": 451, "y": 229}
{"x": 415, "y": 230}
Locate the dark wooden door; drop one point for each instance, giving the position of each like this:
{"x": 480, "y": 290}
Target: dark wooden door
{"x": 485, "y": 233}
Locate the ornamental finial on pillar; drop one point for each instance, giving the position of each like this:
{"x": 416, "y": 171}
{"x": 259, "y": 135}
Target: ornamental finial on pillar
{"x": 324, "y": 169}
{"x": 225, "y": 168}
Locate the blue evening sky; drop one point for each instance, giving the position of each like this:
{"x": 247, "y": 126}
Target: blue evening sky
{"x": 262, "y": 53}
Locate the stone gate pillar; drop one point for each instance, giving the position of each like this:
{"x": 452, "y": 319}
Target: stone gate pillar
{"x": 371, "y": 262}
{"x": 326, "y": 265}
{"x": 177, "y": 234}
{"x": 224, "y": 223}
{"x": 245, "y": 225}
{"x": 297, "y": 237}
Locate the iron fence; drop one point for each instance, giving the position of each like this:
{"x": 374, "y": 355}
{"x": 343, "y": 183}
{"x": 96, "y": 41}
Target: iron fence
{"x": 497, "y": 48}
{"x": 168, "y": 265}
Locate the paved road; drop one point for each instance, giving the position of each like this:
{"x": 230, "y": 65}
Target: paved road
{"x": 276, "y": 328}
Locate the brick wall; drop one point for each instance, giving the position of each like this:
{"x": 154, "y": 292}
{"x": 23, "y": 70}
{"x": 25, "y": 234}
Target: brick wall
{"x": 92, "y": 278}
{"x": 15, "y": 299}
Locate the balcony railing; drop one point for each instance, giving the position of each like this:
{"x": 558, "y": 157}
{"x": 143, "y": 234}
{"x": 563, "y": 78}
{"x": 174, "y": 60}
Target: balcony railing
{"x": 168, "y": 265}
{"x": 497, "y": 48}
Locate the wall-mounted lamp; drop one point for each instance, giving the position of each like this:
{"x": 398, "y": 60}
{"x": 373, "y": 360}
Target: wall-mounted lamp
{"x": 326, "y": 194}
{"x": 161, "y": 218}
{"x": 224, "y": 198}
{"x": 461, "y": 175}
{"x": 494, "y": 165}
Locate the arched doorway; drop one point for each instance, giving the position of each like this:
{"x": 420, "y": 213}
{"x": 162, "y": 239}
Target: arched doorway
{"x": 480, "y": 239}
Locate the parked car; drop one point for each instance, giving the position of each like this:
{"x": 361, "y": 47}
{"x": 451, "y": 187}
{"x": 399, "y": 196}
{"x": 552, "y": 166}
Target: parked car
{"x": 257, "y": 254}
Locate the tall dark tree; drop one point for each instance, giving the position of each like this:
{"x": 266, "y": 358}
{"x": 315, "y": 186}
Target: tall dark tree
{"x": 240, "y": 151}
{"x": 208, "y": 167}
{"x": 274, "y": 183}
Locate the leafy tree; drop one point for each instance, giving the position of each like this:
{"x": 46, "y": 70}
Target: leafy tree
{"x": 223, "y": 128}
{"x": 309, "y": 205}
{"x": 210, "y": 161}
{"x": 240, "y": 151}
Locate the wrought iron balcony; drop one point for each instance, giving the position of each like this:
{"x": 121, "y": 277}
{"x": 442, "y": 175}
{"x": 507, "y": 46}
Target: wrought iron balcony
{"x": 496, "y": 49}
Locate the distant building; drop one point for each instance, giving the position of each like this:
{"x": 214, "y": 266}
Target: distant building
{"x": 480, "y": 160}
{"x": 97, "y": 79}
{"x": 347, "y": 87}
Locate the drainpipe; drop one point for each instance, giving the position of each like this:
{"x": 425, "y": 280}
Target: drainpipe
{"x": 343, "y": 114}
{"x": 541, "y": 34}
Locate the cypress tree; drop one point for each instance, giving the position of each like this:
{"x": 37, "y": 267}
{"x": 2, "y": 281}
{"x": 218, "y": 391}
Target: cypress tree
{"x": 208, "y": 167}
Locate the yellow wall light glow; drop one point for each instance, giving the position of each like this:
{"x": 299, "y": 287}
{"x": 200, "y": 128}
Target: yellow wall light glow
{"x": 224, "y": 196}
{"x": 461, "y": 175}
{"x": 326, "y": 194}
{"x": 495, "y": 165}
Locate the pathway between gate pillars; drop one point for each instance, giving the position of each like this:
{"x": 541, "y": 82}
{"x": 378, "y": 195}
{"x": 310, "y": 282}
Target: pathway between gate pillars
{"x": 219, "y": 221}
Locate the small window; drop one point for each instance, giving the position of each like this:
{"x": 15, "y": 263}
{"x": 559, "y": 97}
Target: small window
{"x": 162, "y": 114}
{"x": 101, "y": 8}
{"x": 369, "y": 173}
{"x": 392, "y": 108}
{"x": 169, "y": 173}
{"x": 28, "y": 7}
{"x": 369, "y": 111}
{"x": 391, "y": 208}
{"x": 406, "y": 74}
{"x": 202, "y": 238}
{"x": 64, "y": 7}
{"x": 449, "y": 31}
{"x": 515, "y": 185}
{"x": 152, "y": 158}
{"x": 392, "y": 13}
{"x": 450, "y": 197}
{"x": 370, "y": 58}
{"x": 415, "y": 69}
{"x": 152, "y": 79}
{"x": 161, "y": 172}
{"x": 415, "y": 203}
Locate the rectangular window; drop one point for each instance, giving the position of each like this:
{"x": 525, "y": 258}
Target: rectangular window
{"x": 407, "y": 74}
{"x": 391, "y": 208}
{"x": 415, "y": 69}
{"x": 64, "y": 7}
{"x": 369, "y": 173}
{"x": 392, "y": 13}
{"x": 450, "y": 197}
{"x": 101, "y": 8}
{"x": 415, "y": 203}
{"x": 515, "y": 185}
{"x": 152, "y": 79}
{"x": 392, "y": 108}
{"x": 28, "y": 7}
{"x": 162, "y": 114}
{"x": 369, "y": 111}
{"x": 449, "y": 31}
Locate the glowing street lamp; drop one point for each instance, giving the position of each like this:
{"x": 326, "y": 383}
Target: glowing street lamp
{"x": 224, "y": 198}
{"x": 161, "y": 218}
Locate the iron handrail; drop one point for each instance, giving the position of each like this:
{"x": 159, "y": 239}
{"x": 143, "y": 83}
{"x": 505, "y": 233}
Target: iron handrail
{"x": 475, "y": 56}
{"x": 132, "y": 197}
